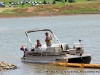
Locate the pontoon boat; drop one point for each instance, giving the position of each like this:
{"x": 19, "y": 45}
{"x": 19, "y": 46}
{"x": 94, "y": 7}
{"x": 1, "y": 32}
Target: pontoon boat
{"x": 56, "y": 52}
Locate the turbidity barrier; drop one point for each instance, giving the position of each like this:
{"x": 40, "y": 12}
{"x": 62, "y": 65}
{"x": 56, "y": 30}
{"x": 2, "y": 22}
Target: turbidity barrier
{"x": 81, "y": 65}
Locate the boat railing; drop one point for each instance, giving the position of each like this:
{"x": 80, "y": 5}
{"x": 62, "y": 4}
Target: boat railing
{"x": 47, "y": 49}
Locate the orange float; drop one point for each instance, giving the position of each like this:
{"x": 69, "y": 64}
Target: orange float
{"x": 81, "y": 65}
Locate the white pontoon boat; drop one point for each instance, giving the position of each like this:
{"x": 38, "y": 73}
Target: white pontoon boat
{"x": 55, "y": 52}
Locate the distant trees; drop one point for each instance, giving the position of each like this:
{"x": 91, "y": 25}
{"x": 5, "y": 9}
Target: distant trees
{"x": 54, "y": 2}
{"x": 70, "y": 1}
{"x": 44, "y": 2}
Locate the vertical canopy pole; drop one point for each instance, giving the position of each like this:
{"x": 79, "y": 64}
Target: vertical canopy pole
{"x": 29, "y": 39}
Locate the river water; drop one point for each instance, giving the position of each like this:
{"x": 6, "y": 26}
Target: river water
{"x": 69, "y": 29}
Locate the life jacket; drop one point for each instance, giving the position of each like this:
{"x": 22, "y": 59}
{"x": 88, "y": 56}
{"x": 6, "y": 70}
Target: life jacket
{"x": 48, "y": 39}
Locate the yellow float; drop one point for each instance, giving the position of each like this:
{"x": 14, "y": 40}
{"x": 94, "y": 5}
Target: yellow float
{"x": 81, "y": 65}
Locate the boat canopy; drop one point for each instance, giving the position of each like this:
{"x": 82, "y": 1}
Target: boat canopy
{"x": 37, "y": 30}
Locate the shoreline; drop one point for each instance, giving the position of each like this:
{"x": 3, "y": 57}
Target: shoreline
{"x": 51, "y": 10}
{"x": 47, "y": 15}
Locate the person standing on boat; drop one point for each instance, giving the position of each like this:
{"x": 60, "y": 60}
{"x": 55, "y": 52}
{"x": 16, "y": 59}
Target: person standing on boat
{"x": 48, "y": 39}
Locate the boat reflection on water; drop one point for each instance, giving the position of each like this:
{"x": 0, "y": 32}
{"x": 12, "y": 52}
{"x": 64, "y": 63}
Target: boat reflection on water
{"x": 46, "y": 69}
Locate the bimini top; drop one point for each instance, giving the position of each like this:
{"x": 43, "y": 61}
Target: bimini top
{"x": 36, "y": 30}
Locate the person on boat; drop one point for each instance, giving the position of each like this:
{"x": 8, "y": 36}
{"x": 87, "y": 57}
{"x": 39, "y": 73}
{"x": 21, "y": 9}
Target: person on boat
{"x": 23, "y": 48}
{"x": 48, "y": 39}
{"x": 38, "y": 44}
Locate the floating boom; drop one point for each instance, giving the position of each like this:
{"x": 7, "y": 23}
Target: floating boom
{"x": 81, "y": 65}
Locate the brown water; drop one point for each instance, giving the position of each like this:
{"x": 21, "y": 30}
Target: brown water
{"x": 69, "y": 29}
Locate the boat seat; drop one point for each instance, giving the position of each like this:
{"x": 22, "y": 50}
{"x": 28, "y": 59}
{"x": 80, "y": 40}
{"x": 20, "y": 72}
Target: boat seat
{"x": 65, "y": 47}
{"x": 50, "y": 49}
{"x": 56, "y": 45}
{"x": 53, "y": 51}
{"x": 72, "y": 51}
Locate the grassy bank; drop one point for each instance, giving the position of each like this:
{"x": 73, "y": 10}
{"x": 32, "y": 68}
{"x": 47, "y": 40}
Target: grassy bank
{"x": 60, "y": 8}
{"x": 74, "y": 8}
